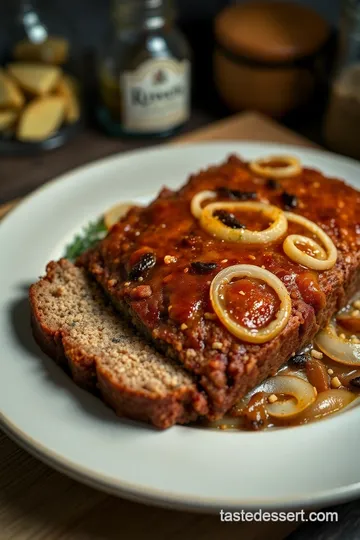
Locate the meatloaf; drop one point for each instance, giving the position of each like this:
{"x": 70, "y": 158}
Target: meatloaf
{"x": 156, "y": 265}
{"x": 74, "y": 324}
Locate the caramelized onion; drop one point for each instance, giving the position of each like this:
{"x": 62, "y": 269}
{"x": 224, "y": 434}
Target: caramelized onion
{"x": 301, "y": 391}
{"x": 326, "y": 403}
{"x": 227, "y": 422}
{"x": 197, "y": 201}
{"x": 317, "y": 374}
{"x": 115, "y": 213}
{"x": 290, "y": 166}
{"x": 295, "y": 254}
{"x": 214, "y": 226}
{"x": 349, "y": 322}
{"x": 261, "y": 335}
{"x": 336, "y": 348}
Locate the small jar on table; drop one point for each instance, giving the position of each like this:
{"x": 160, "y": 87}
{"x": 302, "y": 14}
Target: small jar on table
{"x": 270, "y": 56}
{"x": 144, "y": 71}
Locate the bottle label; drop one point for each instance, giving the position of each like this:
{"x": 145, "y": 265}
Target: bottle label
{"x": 156, "y": 96}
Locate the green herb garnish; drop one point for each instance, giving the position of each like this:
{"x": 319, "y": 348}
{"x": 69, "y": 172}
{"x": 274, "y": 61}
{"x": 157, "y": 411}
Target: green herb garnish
{"x": 88, "y": 238}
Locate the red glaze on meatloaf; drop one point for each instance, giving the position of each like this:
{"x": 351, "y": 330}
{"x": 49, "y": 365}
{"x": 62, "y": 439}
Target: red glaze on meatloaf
{"x": 146, "y": 266}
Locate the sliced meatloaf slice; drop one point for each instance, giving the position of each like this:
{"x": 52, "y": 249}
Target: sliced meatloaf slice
{"x": 73, "y": 323}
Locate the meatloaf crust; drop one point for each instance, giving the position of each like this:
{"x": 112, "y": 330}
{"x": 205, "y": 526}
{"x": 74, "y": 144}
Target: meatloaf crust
{"x": 145, "y": 265}
{"x": 75, "y": 325}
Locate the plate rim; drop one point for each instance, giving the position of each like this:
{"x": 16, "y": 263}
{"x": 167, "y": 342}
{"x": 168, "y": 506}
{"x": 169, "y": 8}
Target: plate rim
{"x": 158, "y": 498}
{"x": 66, "y": 176}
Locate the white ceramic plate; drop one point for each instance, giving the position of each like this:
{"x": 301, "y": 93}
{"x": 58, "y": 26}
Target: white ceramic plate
{"x": 74, "y": 432}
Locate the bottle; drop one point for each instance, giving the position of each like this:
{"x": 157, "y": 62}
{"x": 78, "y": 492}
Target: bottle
{"x": 144, "y": 72}
{"x": 342, "y": 121}
{"x": 40, "y": 60}
{"x": 39, "y": 35}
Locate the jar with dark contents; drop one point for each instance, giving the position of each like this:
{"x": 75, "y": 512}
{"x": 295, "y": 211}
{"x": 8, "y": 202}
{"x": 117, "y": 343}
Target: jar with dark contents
{"x": 144, "y": 71}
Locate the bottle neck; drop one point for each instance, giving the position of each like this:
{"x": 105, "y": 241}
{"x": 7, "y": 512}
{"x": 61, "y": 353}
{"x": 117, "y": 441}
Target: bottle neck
{"x": 31, "y": 22}
{"x": 23, "y": 6}
{"x": 146, "y": 14}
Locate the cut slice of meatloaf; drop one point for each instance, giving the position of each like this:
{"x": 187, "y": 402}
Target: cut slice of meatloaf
{"x": 156, "y": 265}
{"x": 73, "y": 323}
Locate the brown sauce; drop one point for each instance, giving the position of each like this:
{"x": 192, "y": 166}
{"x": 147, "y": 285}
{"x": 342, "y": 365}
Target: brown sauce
{"x": 307, "y": 249}
{"x": 327, "y": 376}
{"x": 178, "y": 307}
{"x": 251, "y": 303}
{"x": 275, "y": 164}
{"x": 253, "y": 221}
{"x": 168, "y": 228}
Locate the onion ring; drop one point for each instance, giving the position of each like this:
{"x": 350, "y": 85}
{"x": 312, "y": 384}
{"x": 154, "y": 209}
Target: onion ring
{"x": 349, "y": 322}
{"x": 199, "y": 198}
{"x": 295, "y": 254}
{"x": 258, "y": 335}
{"x": 261, "y": 167}
{"x": 115, "y": 213}
{"x": 328, "y": 402}
{"x": 302, "y": 392}
{"x": 213, "y": 226}
{"x": 342, "y": 351}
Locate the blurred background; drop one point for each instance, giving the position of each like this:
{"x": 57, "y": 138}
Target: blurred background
{"x": 90, "y": 23}
{"x": 296, "y": 61}
{"x": 92, "y": 15}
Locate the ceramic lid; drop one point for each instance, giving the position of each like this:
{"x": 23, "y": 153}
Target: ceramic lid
{"x": 271, "y": 31}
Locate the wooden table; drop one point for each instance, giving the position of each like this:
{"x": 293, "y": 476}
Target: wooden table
{"x": 20, "y": 176}
{"x": 39, "y": 503}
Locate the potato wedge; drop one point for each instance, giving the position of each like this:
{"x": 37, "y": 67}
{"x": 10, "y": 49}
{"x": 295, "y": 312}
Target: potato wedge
{"x": 65, "y": 89}
{"x": 41, "y": 118}
{"x": 7, "y": 120}
{"x": 11, "y": 96}
{"x": 37, "y": 79}
{"x": 54, "y": 50}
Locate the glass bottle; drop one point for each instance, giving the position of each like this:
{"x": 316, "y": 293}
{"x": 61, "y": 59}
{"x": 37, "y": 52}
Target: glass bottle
{"x": 144, "y": 71}
{"x": 342, "y": 122}
{"x": 40, "y": 34}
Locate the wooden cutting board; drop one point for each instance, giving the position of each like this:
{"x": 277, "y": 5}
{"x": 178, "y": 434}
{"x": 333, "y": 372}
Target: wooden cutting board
{"x": 38, "y": 503}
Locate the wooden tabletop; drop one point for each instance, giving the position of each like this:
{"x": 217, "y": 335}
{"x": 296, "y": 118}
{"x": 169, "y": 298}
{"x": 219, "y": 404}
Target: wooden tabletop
{"x": 41, "y": 504}
{"x": 21, "y": 175}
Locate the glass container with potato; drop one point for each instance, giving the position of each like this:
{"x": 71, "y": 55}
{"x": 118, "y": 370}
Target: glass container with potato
{"x": 39, "y": 99}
